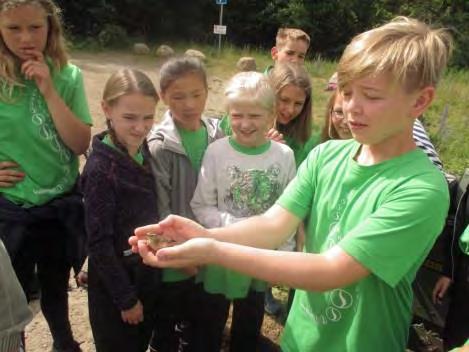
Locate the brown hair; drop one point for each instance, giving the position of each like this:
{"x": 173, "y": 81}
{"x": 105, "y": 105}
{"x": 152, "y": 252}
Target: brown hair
{"x": 287, "y": 73}
{"x": 414, "y": 54}
{"x": 286, "y": 34}
{"x": 123, "y": 82}
{"x": 328, "y": 131}
{"x": 55, "y": 48}
{"x": 175, "y": 68}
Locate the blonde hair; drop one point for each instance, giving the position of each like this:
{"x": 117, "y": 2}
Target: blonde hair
{"x": 55, "y": 48}
{"x": 282, "y": 75}
{"x": 124, "y": 82}
{"x": 176, "y": 68}
{"x": 413, "y": 53}
{"x": 250, "y": 88}
{"x": 286, "y": 34}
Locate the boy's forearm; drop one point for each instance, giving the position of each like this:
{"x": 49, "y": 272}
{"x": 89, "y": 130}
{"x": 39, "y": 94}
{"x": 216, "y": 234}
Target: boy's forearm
{"x": 268, "y": 230}
{"x": 311, "y": 272}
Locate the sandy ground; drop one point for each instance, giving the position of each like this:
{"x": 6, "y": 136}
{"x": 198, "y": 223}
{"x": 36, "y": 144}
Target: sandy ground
{"x": 96, "y": 69}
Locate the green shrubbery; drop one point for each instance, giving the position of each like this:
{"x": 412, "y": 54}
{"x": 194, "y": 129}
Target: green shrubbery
{"x": 113, "y": 36}
{"x": 331, "y": 23}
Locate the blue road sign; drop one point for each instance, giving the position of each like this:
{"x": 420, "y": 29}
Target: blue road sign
{"x": 221, "y": 2}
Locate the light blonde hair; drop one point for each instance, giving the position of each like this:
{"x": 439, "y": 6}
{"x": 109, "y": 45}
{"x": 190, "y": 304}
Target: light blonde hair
{"x": 282, "y": 75}
{"x": 124, "y": 82}
{"x": 286, "y": 34}
{"x": 250, "y": 88}
{"x": 413, "y": 53}
{"x": 55, "y": 48}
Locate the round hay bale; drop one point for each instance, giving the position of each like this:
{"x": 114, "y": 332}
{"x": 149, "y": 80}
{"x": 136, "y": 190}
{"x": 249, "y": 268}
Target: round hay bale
{"x": 164, "y": 51}
{"x": 246, "y": 63}
{"x": 196, "y": 53}
{"x": 141, "y": 49}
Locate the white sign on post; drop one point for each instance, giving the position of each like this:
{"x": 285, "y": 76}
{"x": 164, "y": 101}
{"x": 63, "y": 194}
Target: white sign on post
{"x": 219, "y": 29}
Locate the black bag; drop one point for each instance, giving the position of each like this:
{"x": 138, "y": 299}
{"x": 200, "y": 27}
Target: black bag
{"x": 445, "y": 258}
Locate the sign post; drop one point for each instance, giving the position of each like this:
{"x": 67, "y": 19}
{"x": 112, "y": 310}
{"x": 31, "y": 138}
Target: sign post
{"x": 220, "y": 29}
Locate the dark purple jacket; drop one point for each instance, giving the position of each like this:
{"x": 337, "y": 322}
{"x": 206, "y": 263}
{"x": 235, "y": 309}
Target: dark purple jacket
{"x": 119, "y": 195}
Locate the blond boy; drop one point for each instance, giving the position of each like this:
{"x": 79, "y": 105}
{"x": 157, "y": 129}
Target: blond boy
{"x": 373, "y": 206}
{"x": 291, "y": 45}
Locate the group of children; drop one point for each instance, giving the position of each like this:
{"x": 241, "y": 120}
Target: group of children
{"x": 363, "y": 201}
{"x": 128, "y": 182}
{"x": 355, "y": 205}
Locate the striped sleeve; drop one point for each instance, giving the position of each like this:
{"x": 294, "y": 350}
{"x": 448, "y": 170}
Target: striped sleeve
{"x": 422, "y": 140}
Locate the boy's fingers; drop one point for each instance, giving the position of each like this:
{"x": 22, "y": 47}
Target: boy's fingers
{"x": 143, "y": 248}
{"x": 141, "y": 232}
{"x": 147, "y": 255}
{"x": 133, "y": 240}
{"x": 172, "y": 220}
{"x": 173, "y": 255}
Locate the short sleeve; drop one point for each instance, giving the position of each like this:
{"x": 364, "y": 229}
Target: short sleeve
{"x": 396, "y": 238}
{"x": 79, "y": 103}
{"x": 298, "y": 196}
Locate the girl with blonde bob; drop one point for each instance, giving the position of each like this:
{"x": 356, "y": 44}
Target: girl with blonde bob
{"x": 45, "y": 124}
{"x": 364, "y": 202}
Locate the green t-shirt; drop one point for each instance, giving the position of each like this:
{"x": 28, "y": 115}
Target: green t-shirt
{"x": 137, "y": 157}
{"x": 387, "y": 216}
{"x": 268, "y": 69}
{"x": 464, "y": 241}
{"x": 195, "y": 144}
{"x": 301, "y": 150}
{"x": 225, "y": 125}
{"x": 29, "y": 138}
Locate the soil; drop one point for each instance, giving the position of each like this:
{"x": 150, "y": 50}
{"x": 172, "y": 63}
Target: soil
{"x": 96, "y": 69}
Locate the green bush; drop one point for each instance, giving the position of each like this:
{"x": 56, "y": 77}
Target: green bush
{"x": 113, "y": 36}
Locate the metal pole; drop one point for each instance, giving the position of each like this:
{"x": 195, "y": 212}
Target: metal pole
{"x": 219, "y": 35}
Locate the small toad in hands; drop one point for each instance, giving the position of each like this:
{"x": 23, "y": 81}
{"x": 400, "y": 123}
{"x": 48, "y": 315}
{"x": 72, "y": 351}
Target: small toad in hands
{"x": 156, "y": 242}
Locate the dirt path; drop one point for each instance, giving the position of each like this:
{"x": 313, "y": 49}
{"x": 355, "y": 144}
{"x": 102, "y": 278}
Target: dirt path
{"x": 96, "y": 69}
